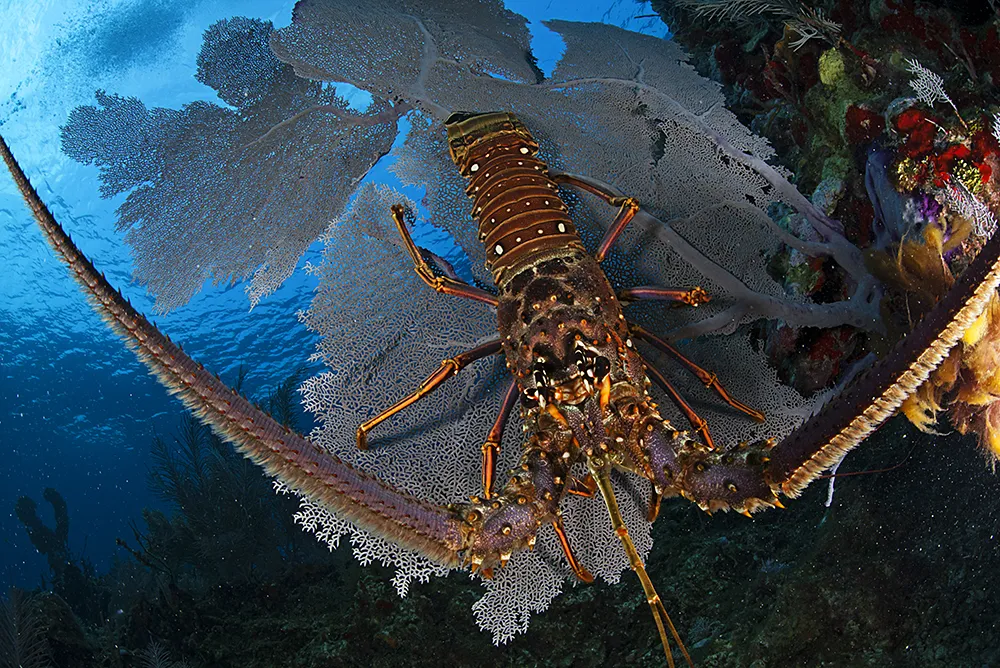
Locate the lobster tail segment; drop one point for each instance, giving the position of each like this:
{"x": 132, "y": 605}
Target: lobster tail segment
{"x": 432, "y": 530}
{"x": 522, "y": 220}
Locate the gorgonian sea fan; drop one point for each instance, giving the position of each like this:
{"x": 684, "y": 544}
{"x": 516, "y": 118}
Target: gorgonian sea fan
{"x": 226, "y": 193}
{"x": 235, "y": 192}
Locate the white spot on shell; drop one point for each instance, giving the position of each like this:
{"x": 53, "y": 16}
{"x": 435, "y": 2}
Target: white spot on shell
{"x": 474, "y": 168}
{"x": 561, "y": 227}
{"x": 499, "y": 249}
{"x": 524, "y": 150}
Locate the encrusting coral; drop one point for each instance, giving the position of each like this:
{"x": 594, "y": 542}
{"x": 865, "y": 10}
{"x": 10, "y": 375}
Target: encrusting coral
{"x": 928, "y": 161}
{"x": 943, "y": 171}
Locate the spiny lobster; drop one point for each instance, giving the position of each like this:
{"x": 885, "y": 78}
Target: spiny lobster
{"x": 581, "y": 381}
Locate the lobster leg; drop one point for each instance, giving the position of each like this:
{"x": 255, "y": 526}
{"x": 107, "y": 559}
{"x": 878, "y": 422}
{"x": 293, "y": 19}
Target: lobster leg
{"x": 697, "y": 422}
{"x": 491, "y": 448}
{"x": 629, "y": 207}
{"x": 578, "y": 570}
{"x": 445, "y": 284}
{"x": 655, "y": 499}
{"x": 601, "y": 471}
{"x": 585, "y": 487}
{"x": 448, "y": 368}
{"x": 707, "y": 377}
{"x": 696, "y": 296}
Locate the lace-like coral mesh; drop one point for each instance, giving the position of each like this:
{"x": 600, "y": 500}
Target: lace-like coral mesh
{"x": 227, "y": 193}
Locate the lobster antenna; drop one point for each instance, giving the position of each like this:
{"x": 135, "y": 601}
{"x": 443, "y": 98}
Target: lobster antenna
{"x": 601, "y": 471}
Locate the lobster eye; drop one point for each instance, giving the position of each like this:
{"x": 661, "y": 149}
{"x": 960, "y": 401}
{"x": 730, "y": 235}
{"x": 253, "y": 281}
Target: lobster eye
{"x": 602, "y": 367}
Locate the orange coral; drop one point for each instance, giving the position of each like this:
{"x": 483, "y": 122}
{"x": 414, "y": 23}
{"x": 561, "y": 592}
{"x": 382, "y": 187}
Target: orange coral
{"x": 967, "y": 384}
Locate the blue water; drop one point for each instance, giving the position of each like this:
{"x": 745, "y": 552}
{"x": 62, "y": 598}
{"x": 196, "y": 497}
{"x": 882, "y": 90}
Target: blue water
{"x": 77, "y": 411}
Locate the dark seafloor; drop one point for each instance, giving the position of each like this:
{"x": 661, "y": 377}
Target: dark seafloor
{"x": 901, "y": 569}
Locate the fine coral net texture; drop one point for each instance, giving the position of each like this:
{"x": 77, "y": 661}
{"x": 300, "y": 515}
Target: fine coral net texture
{"x": 229, "y": 193}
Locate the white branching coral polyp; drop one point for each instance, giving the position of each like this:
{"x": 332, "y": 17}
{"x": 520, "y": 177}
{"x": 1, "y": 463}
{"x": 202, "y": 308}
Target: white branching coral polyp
{"x": 967, "y": 205}
{"x": 929, "y": 87}
{"x": 808, "y": 22}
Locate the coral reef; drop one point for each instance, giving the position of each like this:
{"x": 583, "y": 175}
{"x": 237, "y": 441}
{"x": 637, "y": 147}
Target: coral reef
{"x": 907, "y": 106}
{"x": 23, "y": 642}
{"x": 834, "y": 587}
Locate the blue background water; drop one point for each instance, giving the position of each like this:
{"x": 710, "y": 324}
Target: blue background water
{"x": 77, "y": 411}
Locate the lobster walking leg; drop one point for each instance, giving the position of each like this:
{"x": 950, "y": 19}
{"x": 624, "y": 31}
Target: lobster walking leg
{"x": 445, "y": 284}
{"x": 707, "y": 377}
{"x": 696, "y": 296}
{"x": 601, "y": 470}
{"x": 491, "y": 448}
{"x": 448, "y": 368}
{"x": 699, "y": 424}
{"x": 578, "y": 570}
{"x": 629, "y": 207}
{"x": 585, "y": 487}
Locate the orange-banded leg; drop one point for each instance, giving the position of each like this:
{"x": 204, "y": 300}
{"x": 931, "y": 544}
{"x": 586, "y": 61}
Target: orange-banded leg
{"x": 697, "y": 422}
{"x": 446, "y": 284}
{"x": 601, "y": 471}
{"x": 448, "y": 368}
{"x": 578, "y": 570}
{"x": 655, "y": 498}
{"x": 696, "y": 296}
{"x": 629, "y": 206}
{"x": 491, "y": 448}
{"x": 585, "y": 487}
{"x": 707, "y": 377}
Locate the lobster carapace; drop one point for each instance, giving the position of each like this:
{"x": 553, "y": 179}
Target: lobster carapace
{"x": 577, "y": 374}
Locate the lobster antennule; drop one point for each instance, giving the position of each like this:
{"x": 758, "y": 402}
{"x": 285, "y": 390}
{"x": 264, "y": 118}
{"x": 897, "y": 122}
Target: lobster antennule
{"x": 432, "y": 530}
{"x": 601, "y": 472}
